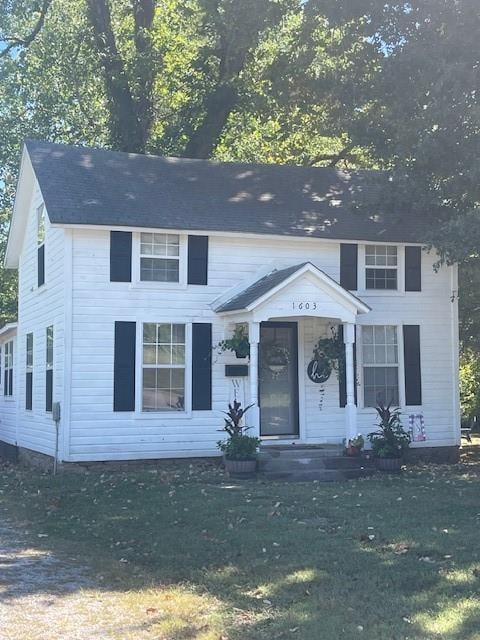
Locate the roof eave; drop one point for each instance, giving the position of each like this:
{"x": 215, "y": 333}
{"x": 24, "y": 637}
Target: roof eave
{"x": 360, "y": 306}
{"x": 10, "y": 326}
{"x": 20, "y": 205}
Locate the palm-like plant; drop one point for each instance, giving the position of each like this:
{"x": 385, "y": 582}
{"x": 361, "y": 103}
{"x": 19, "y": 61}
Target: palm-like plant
{"x": 391, "y": 440}
{"x": 234, "y": 416}
{"x": 239, "y": 445}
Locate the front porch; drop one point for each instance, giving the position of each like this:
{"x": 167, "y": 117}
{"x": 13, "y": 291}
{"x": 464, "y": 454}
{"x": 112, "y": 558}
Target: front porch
{"x": 292, "y": 400}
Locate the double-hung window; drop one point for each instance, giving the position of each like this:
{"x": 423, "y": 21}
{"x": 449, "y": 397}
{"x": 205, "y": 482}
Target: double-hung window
{"x": 159, "y": 257}
{"x": 8, "y": 369}
{"x": 41, "y": 245}
{"x": 163, "y": 386}
{"x": 381, "y": 267}
{"x": 380, "y": 365}
{"x": 29, "y": 372}
{"x": 49, "y": 368}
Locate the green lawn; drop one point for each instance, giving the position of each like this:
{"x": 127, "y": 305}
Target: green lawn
{"x": 194, "y": 555}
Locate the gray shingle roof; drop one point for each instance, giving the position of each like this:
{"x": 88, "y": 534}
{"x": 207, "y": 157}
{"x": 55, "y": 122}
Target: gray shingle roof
{"x": 102, "y": 187}
{"x": 259, "y": 289}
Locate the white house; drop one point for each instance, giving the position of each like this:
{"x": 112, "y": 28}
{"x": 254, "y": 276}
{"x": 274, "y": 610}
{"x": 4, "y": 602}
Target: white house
{"x": 131, "y": 268}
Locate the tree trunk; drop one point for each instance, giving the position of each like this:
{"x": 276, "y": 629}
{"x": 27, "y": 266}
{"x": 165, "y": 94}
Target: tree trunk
{"x": 145, "y": 67}
{"x": 125, "y": 132}
{"x": 204, "y": 139}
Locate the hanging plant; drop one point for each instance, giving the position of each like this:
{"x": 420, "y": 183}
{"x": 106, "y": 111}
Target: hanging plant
{"x": 238, "y": 342}
{"x": 330, "y": 352}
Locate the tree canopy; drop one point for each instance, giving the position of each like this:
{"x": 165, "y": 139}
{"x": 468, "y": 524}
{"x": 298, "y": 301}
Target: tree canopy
{"x": 368, "y": 83}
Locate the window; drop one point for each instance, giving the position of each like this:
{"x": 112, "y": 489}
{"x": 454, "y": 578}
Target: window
{"x": 40, "y": 245}
{"x": 49, "y": 369}
{"x": 159, "y": 257}
{"x": 41, "y": 225}
{"x": 380, "y": 365}
{"x": 8, "y": 369}
{"x": 29, "y": 371}
{"x": 380, "y": 267}
{"x": 163, "y": 367}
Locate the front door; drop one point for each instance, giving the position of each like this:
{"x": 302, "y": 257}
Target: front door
{"x": 278, "y": 379}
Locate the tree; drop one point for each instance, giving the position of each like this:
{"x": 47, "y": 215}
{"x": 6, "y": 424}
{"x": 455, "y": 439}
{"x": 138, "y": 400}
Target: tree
{"x": 423, "y": 121}
{"x": 324, "y": 82}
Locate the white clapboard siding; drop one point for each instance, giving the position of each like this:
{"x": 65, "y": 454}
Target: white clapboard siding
{"x": 8, "y": 404}
{"x": 39, "y": 308}
{"x": 98, "y": 433}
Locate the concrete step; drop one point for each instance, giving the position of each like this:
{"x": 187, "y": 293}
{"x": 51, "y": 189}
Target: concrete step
{"x": 295, "y": 453}
{"x": 320, "y": 475}
{"x": 346, "y": 462}
{"x": 281, "y": 464}
{"x": 303, "y": 463}
{"x": 306, "y": 464}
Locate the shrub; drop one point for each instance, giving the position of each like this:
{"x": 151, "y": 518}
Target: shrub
{"x": 239, "y": 445}
{"x": 391, "y": 440}
{"x": 469, "y": 385}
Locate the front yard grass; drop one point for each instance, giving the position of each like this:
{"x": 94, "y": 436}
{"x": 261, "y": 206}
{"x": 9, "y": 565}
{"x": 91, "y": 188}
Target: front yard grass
{"x": 186, "y": 553}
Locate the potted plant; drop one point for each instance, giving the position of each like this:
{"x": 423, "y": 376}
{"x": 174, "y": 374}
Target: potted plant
{"x": 391, "y": 440}
{"x": 240, "y": 449}
{"x": 238, "y": 342}
{"x": 355, "y": 446}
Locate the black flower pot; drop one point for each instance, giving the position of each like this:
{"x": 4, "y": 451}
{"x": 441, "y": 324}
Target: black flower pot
{"x": 391, "y": 465}
{"x": 241, "y": 468}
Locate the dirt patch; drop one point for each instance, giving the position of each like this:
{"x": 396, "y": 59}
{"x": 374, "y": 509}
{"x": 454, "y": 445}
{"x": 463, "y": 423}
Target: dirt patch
{"x": 36, "y": 589}
{"x": 46, "y": 595}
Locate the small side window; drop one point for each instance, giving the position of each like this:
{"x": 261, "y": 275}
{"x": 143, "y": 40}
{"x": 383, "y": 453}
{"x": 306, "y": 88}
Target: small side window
{"x": 29, "y": 372}
{"x": 41, "y": 245}
{"x": 8, "y": 370}
{"x": 49, "y": 369}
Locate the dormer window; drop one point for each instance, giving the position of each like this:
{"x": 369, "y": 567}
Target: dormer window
{"x": 159, "y": 257}
{"x": 381, "y": 267}
{"x": 41, "y": 245}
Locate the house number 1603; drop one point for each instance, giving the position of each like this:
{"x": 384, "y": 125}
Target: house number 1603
{"x": 304, "y": 306}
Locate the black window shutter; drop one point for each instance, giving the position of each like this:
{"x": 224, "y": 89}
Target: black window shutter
{"x": 41, "y": 265}
{"x": 413, "y": 268}
{"x": 202, "y": 366}
{"x": 124, "y": 367}
{"x": 348, "y": 266}
{"x": 197, "y": 259}
{"x": 29, "y": 390}
{"x": 49, "y": 390}
{"x": 411, "y": 359}
{"x": 120, "y": 256}
{"x": 342, "y": 374}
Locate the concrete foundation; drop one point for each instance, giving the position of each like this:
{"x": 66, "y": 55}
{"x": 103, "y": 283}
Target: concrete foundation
{"x": 436, "y": 455}
{"x": 35, "y": 460}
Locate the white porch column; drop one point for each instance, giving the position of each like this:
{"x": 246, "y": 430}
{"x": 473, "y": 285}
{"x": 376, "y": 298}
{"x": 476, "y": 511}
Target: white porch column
{"x": 350, "y": 408}
{"x": 253, "y": 415}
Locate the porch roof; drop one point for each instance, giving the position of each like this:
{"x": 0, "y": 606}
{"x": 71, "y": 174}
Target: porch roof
{"x": 261, "y": 290}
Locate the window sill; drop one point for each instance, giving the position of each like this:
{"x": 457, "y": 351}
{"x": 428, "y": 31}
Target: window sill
{"x": 162, "y": 415}
{"x": 9, "y": 398}
{"x": 39, "y": 290}
{"x": 157, "y": 286}
{"x": 365, "y": 293}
